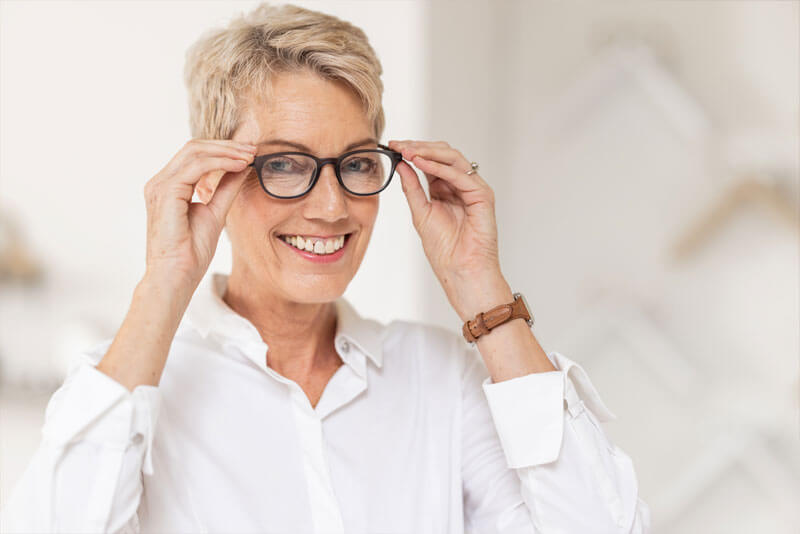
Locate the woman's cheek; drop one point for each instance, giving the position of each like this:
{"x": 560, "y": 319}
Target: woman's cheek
{"x": 251, "y": 185}
{"x": 371, "y": 210}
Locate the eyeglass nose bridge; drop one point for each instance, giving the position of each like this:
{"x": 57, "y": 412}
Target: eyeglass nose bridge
{"x": 321, "y": 162}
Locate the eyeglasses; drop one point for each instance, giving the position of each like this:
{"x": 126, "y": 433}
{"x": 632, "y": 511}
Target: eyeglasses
{"x": 361, "y": 172}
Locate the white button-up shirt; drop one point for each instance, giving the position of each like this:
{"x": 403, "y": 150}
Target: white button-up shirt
{"x": 410, "y": 436}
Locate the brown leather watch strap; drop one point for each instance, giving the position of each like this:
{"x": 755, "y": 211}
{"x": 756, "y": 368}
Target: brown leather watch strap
{"x": 484, "y": 322}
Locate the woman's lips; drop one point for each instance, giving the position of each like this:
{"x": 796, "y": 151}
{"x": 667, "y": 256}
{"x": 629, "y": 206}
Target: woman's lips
{"x": 320, "y": 258}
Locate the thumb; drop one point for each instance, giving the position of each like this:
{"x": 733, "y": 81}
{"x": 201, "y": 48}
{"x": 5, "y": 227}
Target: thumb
{"x": 417, "y": 201}
{"x": 226, "y": 191}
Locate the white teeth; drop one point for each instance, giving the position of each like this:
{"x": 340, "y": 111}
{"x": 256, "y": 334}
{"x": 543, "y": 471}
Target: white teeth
{"x": 317, "y": 246}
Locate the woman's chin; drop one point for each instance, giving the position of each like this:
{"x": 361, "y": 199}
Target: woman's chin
{"x": 315, "y": 289}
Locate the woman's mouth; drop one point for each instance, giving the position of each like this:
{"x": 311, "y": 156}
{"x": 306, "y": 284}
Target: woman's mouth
{"x": 316, "y": 248}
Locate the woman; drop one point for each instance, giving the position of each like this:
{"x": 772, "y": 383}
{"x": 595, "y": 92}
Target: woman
{"x": 260, "y": 401}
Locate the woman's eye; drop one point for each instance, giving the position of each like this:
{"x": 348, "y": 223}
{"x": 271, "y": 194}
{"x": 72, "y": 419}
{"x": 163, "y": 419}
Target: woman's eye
{"x": 359, "y": 165}
{"x": 279, "y": 165}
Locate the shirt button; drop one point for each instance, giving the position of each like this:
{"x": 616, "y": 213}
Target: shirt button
{"x": 137, "y": 438}
{"x": 345, "y": 346}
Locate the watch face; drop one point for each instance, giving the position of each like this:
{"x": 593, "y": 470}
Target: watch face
{"x": 525, "y": 302}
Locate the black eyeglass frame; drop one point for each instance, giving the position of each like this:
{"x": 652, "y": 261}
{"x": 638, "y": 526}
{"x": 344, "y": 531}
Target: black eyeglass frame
{"x": 396, "y": 156}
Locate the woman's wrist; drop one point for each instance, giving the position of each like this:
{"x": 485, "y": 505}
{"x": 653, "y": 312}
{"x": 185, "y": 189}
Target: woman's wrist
{"x": 483, "y": 294}
{"x": 138, "y": 353}
{"x": 174, "y": 292}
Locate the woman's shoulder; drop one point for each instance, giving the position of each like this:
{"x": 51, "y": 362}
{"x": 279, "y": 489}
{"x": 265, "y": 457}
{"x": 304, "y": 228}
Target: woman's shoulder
{"x": 185, "y": 341}
{"x": 429, "y": 342}
{"x": 420, "y": 332}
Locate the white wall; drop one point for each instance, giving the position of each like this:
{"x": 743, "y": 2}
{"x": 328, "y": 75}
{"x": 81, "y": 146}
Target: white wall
{"x": 608, "y": 130}
{"x": 93, "y": 104}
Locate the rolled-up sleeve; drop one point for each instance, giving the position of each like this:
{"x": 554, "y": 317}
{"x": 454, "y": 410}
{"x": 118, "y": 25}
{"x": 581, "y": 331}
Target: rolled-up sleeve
{"x": 571, "y": 478}
{"x": 86, "y": 475}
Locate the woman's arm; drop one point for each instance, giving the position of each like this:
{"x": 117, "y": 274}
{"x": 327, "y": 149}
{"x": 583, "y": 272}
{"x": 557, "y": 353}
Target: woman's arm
{"x": 86, "y": 474}
{"x": 182, "y": 237}
{"x": 571, "y": 479}
{"x": 139, "y": 351}
{"x": 543, "y": 430}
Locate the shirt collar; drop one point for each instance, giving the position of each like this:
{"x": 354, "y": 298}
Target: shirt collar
{"x": 209, "y": 314}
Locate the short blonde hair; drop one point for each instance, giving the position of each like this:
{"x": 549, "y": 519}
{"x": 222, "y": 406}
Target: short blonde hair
{"x": 226, "y": 66}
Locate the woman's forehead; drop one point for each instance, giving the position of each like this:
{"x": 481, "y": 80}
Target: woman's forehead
{"x": 303, "y": 129}
{"x": 324, "y": 116}
{"x": 365, "y": 142}
{"x": 288, "y": 118}
{"x": 308, "y": 98}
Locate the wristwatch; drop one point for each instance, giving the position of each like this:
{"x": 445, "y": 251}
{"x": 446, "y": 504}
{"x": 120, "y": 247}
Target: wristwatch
{"x": 484, "y": 322}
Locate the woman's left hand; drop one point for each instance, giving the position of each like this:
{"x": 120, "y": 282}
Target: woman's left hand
{"x": 457, "y": 225}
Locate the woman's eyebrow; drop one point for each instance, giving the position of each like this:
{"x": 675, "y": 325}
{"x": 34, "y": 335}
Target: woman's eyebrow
{"x": 304, "y": 148}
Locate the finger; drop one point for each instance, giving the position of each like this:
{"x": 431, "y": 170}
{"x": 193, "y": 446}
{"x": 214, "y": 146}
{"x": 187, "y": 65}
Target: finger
{"x": 448, "y": 156}
{"x": 461, "y": 181}
{"x": 405, "y": 143}
{"x": 197, "y": 148}
{"x": 441, "y": 190}
{"x": 197, "y": 170}
{"x": 223, "y": 196}
{"x": 208, "y": 183}
{"x": 417, "y": 201}
{"x": 436, "y": 151}
{"x": 183, "y": 185}
{"x": 443, "y": 153}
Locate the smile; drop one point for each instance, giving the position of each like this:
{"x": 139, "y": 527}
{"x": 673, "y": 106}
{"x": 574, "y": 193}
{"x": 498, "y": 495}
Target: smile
{"x": 316, "y": 245}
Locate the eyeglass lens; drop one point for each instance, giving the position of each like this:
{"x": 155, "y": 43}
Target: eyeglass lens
{"x": 291, "y": 174}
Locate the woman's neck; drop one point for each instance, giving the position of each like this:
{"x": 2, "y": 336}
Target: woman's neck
{"x": 300, "y": 336}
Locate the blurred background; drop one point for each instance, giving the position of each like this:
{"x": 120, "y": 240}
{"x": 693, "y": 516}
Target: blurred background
{"x": 644, "y": 157}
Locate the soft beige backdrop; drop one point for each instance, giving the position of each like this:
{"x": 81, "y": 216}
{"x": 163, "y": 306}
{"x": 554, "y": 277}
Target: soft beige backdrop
{"x": 644, "y": 157}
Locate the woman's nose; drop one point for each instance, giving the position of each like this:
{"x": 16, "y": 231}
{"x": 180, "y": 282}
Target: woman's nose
{"x": 327, "y": 198}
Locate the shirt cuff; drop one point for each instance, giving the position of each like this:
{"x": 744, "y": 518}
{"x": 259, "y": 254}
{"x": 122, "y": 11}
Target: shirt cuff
{"x": 528, "y": 411}
{"x": 92, "y": 406}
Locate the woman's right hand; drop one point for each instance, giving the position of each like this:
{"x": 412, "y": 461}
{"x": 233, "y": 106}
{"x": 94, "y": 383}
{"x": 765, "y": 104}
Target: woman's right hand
{"x": 182, "y": 235}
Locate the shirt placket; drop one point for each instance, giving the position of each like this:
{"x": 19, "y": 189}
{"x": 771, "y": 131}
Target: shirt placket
{"x": 325, "y": 508}
{"x": 325, "y": 511}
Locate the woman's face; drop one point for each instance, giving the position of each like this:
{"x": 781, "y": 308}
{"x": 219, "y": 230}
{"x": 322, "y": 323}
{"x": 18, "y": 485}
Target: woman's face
{"x": 325, "y": 119}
